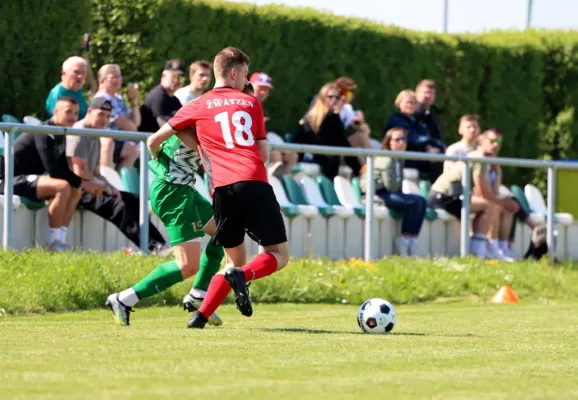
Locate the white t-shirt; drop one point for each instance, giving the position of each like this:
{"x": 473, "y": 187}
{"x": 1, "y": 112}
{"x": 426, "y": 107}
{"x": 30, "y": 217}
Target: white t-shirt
{"x": 458, "y": 149}
{"x": 347, "y": 115}
{"x": 185, "y": 94}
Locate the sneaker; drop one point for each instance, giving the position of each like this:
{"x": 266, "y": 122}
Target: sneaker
{"x": 120, "y": 311}
{"x": 56, "y": 246}
{"x": 236, "y": 279}
{"x": 412, "y": 248}
{"x": 197, "y": 321}
{"x": 162, "y": 250}
{"x": 401, "y": 246}
{"x": 192, "y": 304}
{"x": 508, "y": 253}
{"x": 493, "y": 252}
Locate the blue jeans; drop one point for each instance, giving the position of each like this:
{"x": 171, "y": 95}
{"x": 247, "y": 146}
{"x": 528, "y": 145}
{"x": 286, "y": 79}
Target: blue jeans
{"x": 413, "y": 207}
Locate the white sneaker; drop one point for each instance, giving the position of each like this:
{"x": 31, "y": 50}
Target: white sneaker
{"x": 401, "y": 246}
{"x": 510, "y": 254}
{"x": 192, "y": 304}
{"x": 120, "y": 311}
{"x": 412, "y": 250}
{"x": 493, "y": 252}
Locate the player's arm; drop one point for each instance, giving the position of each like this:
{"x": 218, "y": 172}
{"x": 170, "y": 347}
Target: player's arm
{"x": 261, "y": 133}
{"x": 155, "y": 140}
{"x": 189, "y": 137}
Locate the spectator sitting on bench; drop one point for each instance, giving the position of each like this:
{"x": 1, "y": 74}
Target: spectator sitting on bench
{"x": 39, "y": 154}
{"x": 120, "y": 208}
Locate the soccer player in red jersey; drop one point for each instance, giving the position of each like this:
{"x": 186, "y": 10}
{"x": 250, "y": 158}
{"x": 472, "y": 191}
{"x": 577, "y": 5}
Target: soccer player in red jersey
{"x": 232, "y": 140}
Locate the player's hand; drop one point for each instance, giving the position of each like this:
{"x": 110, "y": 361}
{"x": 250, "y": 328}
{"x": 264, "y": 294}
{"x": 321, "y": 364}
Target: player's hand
{"x": 154, "y": 151}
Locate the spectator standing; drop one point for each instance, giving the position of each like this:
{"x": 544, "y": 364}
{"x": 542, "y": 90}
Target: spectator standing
{"x": 117, "y": 152}
{"x": 161, "y": 103}
{"x": 427, "y": 113}
{"x": 73, "y": 78}
{"x": 200, "y": 77}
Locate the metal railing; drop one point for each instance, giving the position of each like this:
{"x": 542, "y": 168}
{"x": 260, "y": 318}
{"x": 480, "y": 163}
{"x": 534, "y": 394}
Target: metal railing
{"x": 551, "y": 166}
{"x": 9, "y": 129}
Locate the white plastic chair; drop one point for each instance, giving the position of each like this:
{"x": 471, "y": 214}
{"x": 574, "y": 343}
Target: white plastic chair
{"x": 503, "y": 191}
{"x": 313, "y": 196}
{"x": 112, "y": 177}
{"x": 538, "y": 205}
{"x": 30, "y": 120}
{"x": 309, "y": 212}
{"x": 347, "y": 197}
{"x": 273, "y": 138}
{"x": 376, "y": 144}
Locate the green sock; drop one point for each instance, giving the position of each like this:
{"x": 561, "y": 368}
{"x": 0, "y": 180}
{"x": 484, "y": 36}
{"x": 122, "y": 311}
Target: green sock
{"x": 161, "y": 278}
{"x": 210, "y": 264}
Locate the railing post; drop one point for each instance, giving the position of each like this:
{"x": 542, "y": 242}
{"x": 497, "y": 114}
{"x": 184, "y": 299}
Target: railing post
{"x": 369, "y": 220}
{"x": 465, "y": 223}
{"x": 144, "y": 198}
{"x": 8, "y": 187}
{"x": 551, "y": 214}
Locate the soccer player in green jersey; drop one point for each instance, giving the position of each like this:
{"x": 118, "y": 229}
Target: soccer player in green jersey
{"x": 185, "y": 213}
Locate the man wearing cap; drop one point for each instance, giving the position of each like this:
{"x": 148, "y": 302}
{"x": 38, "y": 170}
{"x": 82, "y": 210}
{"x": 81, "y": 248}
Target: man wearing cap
{"x": 120, "y": 208}
{"x": 161, "y": 103}
{"x": 280, "y": 163}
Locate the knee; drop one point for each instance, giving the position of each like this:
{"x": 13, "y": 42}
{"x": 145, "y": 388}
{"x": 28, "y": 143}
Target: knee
{"x": 188, "y": 267}
{"x": 62, "y": 187}
{"x": 130, "y": 150}
{"x": 282, "y": 256}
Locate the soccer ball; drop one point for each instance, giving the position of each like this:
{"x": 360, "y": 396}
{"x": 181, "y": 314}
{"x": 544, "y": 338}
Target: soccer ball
{"x": 376, "y": 316}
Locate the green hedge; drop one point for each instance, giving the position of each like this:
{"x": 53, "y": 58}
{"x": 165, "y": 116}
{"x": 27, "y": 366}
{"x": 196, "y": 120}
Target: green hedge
{"x": 35, "y": 38}
{"x": 521, "y": 83}
{"x": 34, "y": 281}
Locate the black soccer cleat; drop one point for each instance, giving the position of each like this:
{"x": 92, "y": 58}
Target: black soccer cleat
{"x": 236, "y": 279}
{"x": 197, "y": 321}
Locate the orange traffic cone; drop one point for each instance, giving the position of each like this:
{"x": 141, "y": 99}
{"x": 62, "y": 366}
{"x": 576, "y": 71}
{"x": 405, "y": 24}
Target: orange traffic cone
{"x": 505, "y": 295}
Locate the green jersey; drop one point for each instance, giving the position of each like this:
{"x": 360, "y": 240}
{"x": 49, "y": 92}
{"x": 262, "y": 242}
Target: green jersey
{"x": 176, "y": 163}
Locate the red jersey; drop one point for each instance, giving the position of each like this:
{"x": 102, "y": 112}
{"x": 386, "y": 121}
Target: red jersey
{"x": 228, "y": 124}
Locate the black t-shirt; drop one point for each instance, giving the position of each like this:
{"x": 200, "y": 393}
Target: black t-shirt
{"x": 157, "y": 104}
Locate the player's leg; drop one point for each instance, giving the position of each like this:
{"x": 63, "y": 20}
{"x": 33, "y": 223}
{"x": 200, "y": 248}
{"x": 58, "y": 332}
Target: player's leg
{"x": 174, "y": 205}
{"x": 58, "y": 191}
{"x": 210, "y": 261}
{"x": 230, "y": 234}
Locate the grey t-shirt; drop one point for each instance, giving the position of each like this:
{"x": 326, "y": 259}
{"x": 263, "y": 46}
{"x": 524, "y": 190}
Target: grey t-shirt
{"x": 84, "y": 147}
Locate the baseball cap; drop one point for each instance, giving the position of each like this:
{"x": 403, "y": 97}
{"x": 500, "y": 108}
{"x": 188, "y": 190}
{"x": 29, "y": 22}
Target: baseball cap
{"x": 261, "y": 79}
{"x": 175, "y": 65}
{"x": 100, "y": 103}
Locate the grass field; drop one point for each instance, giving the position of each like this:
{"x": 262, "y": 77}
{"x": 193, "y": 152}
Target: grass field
{"x": 450, "y": 350}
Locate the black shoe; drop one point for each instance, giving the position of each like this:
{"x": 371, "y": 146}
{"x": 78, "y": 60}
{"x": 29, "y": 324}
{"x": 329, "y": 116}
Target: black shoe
{"x": 197, "y": 321}
{"x": 236, "y": 279}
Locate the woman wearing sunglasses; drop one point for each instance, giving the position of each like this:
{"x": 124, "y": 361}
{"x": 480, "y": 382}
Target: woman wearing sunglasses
{"x": 388, "y": 187}
{"x": 323, "y": 126}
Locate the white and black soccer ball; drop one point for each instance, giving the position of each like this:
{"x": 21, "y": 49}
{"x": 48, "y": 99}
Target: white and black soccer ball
{"x": 376, "y": 316}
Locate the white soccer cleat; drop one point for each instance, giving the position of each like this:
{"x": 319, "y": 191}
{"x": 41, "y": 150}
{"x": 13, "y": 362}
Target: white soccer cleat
{"x": 192, "y": 304}
{"x": 120, "y": 311}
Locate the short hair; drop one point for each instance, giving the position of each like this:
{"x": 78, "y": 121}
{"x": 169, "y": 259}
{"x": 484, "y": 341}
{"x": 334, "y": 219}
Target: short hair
{"x": 227, "y": 59}
{"x": 487, "y": 132}
{"x": 345, "y": 84}
{"x": 72, "y": 61}
{"x": 469, "y": 118}
{"x": 428, "y": 83}
{"x": 198, "y": 65}
{"x": 401, "y": 95}
{"x": 102, "y": 72}
{"x": 66, "y": 99}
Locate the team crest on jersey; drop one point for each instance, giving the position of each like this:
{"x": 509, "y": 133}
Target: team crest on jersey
{"x": 214, "y": 103}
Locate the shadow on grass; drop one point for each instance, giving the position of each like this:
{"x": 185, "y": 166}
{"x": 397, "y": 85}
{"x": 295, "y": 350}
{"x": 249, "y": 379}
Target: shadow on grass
{"x": 327, "y": 332}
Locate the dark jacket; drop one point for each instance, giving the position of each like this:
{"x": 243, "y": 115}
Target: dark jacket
{"x": 430, "y": 118}
{"x": 331, "y": 133}
{"x": 418, "y": 135}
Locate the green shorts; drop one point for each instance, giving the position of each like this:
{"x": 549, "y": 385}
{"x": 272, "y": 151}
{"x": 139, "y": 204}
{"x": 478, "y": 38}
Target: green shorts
{"x": 183, "y": 211}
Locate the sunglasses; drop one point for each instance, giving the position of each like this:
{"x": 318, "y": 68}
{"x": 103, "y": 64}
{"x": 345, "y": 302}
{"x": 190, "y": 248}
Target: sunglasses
{"x": 334, "y": 96}
{"x": 399, "y": 139}
{"x": 496, "y": 141}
